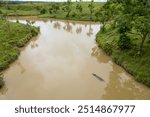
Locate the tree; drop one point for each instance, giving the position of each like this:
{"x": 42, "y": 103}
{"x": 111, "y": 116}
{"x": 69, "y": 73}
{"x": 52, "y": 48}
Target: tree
{"x": 1, "y": 3}
{"x": 142, "y": 27}
{"x": 91, "y": 8}
{"x": 107, "y": 13}
{"x": 79, "y": 8}
{"x": 141, "y": 16}
{"x": 1, "y": 14}
{"x": 43, "y": 11}
{"x": 16, "y": 14}
{"x": 103, "y": 17}
{"x": 30, "y": 24}
{"x": 55, "y": 7}
{"x": 137, "y": 14}
{"x": 50, "y": 10}
{"x": 4, "y": 15}
{"x": 67, "y": 8}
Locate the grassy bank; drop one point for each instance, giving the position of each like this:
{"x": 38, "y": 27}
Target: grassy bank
{"x": 56, "y": 10}
{"x": 130, "y": 60}
{"x": 12, "y": 37}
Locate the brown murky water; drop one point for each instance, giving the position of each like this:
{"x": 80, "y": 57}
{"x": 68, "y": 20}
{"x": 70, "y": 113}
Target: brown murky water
{"x": 64, "y": 62}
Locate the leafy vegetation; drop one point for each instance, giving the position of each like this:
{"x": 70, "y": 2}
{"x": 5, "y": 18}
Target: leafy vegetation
{"x": 125, "y": 31}
{"x": 60, "y": 10}
{"x": 126, "y": 35}
{"x": 11, "y": 38}
{"x": 11, "y": 33}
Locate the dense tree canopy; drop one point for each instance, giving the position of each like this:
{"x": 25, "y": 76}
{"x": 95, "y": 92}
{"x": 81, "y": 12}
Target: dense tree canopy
{"x": 133, "y": 17}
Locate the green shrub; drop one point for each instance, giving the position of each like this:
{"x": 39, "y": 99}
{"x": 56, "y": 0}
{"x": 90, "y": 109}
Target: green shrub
{"x": 43, "y": 11}
{"x": 38, "y": 8}
{"x": 1, "y": 12}
{"x": 144, "y": 80}
{"x": 108, "y": 48}
{"x": 9, "y": 44}
{"x": 124, "y": 27}
{"x": 50, "y": 10}
{"x": 73, "y": 14}
{"x": 124, "y": 42}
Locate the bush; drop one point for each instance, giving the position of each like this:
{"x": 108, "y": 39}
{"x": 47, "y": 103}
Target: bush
{"x": 1, "y": 12}
{"x": 38, "y": 8}
{"x": 124, "y": 42}
{"x": 50, "y": 10}
{"x": 43, "y": 11}
{"x": 73, "y": 14}
{"x": 108, "y": 48}
{"x": 124, "y": 27}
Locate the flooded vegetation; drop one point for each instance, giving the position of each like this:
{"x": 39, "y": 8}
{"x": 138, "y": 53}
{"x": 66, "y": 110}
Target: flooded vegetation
{"x": 64, "y": 62}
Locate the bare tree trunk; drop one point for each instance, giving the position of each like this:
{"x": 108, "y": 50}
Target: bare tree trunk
{"x": 8, "y": 26}
{"x": 103, "y": 26}
{"x": 142, "y": 42}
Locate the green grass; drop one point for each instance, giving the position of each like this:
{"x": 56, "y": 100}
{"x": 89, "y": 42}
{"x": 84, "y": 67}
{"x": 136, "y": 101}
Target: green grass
{"x": 138, "y": 66}
{"x": 74, "y": 15}
{"x": 33, "y": 9}
{"x": 17, "y": 35}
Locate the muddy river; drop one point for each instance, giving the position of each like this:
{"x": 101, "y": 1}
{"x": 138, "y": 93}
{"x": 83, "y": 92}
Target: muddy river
{"x": 64, "y": 62}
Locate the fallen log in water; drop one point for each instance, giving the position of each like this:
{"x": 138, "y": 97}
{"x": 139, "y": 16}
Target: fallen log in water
{"x": 98, "y": 77}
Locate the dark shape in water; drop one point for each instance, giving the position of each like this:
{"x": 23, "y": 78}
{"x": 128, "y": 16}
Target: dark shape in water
{"x": 98, "y": 77}
{"x": 1, "y": 82}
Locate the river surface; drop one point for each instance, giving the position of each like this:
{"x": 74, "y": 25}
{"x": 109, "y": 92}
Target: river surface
{"x": 64, "y": 62}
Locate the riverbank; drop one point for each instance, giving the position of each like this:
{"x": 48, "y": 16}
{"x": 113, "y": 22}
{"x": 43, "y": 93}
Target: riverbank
{"x": 66, "y": 53}
{"x": 130, "y": 60}
{"x": 13, "y": 36}
{"x": 85, "y": 11}
{"x": 58, "y": 10}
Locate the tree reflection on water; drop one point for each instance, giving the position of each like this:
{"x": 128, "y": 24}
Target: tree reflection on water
{"x": 90, "y": 32}
{"x": 3, "y": 90}
{"x": 68, "y": 27}
{"x": 79, "y": 30}
{"x": 57, "y": 25}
